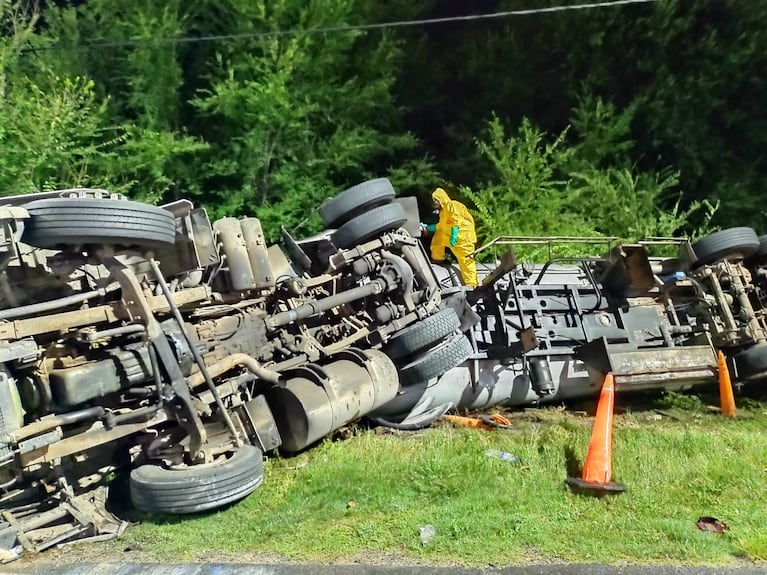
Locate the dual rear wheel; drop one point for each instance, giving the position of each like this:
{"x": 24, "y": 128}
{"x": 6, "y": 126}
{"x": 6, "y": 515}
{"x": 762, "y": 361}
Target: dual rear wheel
{"x": 362, "y": 212}
{"x": 431, "y": 346}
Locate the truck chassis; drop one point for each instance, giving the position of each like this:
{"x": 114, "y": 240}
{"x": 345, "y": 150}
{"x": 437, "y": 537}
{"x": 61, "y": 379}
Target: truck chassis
{"x": 148, "y": 341}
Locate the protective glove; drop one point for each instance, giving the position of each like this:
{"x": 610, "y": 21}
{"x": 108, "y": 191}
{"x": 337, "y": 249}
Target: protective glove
{"x": 431, "y": 228}
{"x": 454, "y": 236}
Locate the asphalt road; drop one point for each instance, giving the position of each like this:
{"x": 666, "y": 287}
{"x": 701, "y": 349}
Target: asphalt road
{"x": 287, "y": 569}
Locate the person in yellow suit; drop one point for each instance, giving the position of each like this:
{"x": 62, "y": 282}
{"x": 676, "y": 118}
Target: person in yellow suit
{"x": 455, "y": 229}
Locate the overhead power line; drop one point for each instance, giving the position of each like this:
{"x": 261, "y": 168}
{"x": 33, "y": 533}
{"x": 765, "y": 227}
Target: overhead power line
{"x": 356, "y": 27}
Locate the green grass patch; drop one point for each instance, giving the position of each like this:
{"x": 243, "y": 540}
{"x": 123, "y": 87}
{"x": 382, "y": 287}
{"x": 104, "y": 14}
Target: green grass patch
{"x": 366, "y": 498}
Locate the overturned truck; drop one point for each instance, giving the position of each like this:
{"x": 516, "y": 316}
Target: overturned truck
{"x": 148, "y": 341}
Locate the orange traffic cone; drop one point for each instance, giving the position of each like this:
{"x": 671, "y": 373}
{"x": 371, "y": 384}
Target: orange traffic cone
{"x": 726, "y": 398}
{"x": 597, "y": 469}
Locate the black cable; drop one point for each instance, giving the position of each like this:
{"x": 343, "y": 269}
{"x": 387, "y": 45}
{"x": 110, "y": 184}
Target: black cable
{"x": 344, "y": 28}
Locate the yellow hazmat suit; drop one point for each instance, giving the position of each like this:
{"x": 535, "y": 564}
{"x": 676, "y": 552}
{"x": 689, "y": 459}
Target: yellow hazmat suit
{"x": 455, "y": 229}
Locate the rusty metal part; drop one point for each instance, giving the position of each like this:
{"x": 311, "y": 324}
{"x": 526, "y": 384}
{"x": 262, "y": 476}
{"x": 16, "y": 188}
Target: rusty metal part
{"x": 45, "y": 524}
{"x": 112, "y": 420}
{"x": 47, "y": 424}
{"x": 317, "y": 307}
{"x": 406, "y": 277}
{"x": 648, "y": 368}
{"x": 230, "y": 362}
{"x": 247, "y": 259}
{"x": 92, "y": 336}
{"x": 727, "y": 317}
{"x": 360, "y": 333}
{"x": 195, "y": 352}
{"x": 235, "y": 252}
{"x": 257, "y": 253}
{"x": 138, "y": 308}
{"x": 109, "y": 313}
{"x": 734, "y": 272}
{"x": 87, "y": 440}
{"x": 344, "y": 258}
{"x": 49, "y": 305}
{"x": 423, "y": 272}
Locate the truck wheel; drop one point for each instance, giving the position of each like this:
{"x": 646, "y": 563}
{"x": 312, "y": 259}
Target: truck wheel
{"x": 58, "y": 222}
{"x": 436, "y": 361}
{"x": 423, "y": 334}
{"x": 369, "y": 225}
{"x": 199, "y": 487}
{"x": 752, "y": 363}
{"x": 760, "y": 257}
{"x": 356, "y": 200}
{"x": 732, "y": 243}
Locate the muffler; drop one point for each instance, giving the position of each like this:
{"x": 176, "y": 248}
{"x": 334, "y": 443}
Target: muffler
{"x": 317, "y": 400}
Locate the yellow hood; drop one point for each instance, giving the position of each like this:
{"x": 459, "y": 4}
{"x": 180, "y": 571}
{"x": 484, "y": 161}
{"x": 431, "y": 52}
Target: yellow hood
{"x": 439, "y": 195}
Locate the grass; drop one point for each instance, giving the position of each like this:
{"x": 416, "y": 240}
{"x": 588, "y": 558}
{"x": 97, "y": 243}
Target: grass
{"x": 365, "y": 498}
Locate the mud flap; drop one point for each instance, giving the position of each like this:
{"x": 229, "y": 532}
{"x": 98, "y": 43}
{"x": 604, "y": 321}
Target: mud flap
{"x": 651, "y": 367}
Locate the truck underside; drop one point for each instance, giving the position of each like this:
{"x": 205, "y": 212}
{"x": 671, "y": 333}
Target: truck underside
{"x": 149, "y": 342}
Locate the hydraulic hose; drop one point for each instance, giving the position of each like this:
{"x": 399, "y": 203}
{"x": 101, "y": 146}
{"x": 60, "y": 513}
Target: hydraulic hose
{"x": 413, "y": 423}
{"x": 48, "y": 424}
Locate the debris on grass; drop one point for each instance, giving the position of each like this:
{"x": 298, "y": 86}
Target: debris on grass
{"x": 502, "y": 455}
{"x": 711, "y": 525}
{"x": 427, "y": 534}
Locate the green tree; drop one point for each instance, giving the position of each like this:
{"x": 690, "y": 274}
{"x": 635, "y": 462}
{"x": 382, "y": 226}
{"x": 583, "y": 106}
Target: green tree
{"x": 259, "y": 121}
{"x": 52, "y": 130}
{"x": 291, "y": 118}
{"x": 691, "y": 72}
{"x": 550, "y": 188}
{"x": 138, "y": 75}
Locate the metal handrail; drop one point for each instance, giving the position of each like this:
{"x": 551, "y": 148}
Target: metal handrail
{"x": 548, "y": 241}
{"x": 663, "y": 241}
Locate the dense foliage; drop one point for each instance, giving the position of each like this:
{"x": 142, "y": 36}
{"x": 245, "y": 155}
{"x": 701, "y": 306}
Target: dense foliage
{"x": 631, "y": 121}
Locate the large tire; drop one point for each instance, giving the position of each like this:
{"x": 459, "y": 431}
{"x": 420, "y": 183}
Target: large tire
{"x": 760, "y": 257}
{"x": 197, "y": 488}
{"x": 355, "y": 201}
{"x": 732, "y": 243}
{"x": 436, "y": 361}
{"x": 423, "y": 334}
{"x": 752, "y": 363}
{"x": 58, "y": 222}
{"x": 369, "y": 225}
